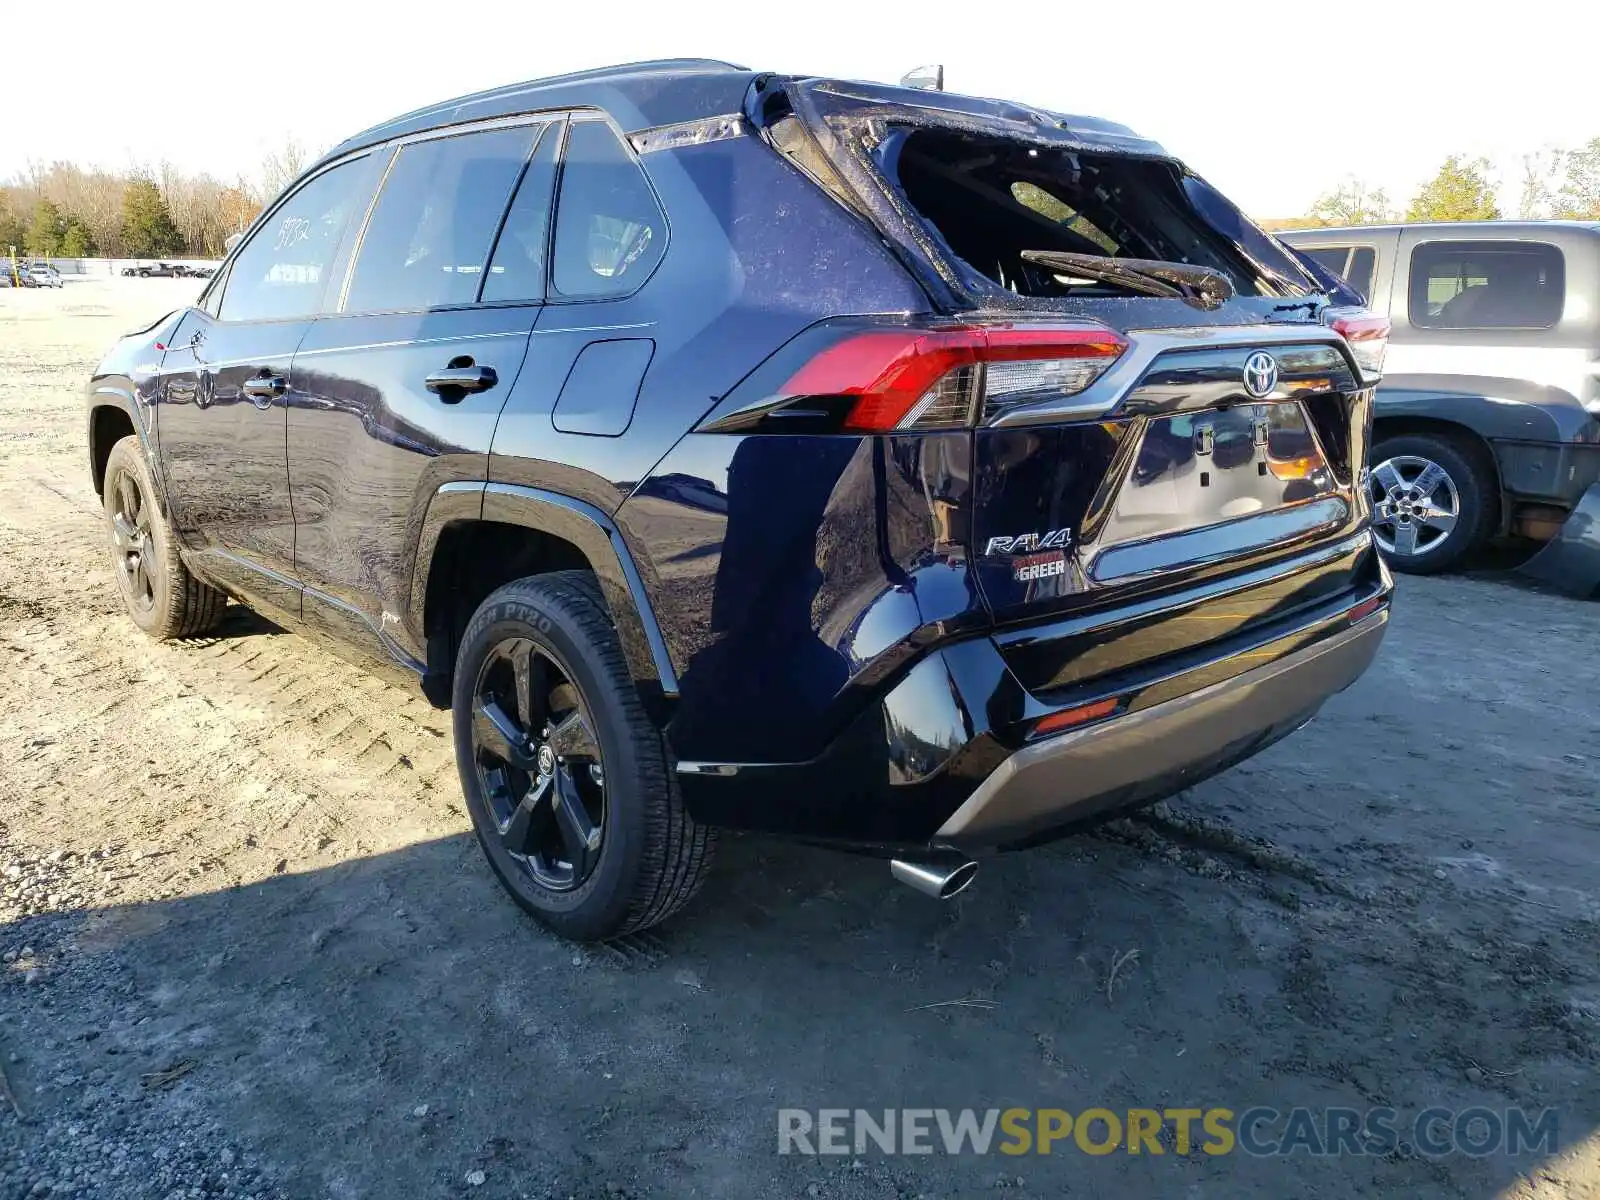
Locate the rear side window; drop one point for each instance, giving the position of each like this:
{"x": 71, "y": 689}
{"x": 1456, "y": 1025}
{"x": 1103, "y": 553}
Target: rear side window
{"x": 610, "y": 232}
{"x": 516, "y": 271}
{"x": 1486, "y": 285}
{"x": 283, "y": 269}
{"x": 429, "y": 236}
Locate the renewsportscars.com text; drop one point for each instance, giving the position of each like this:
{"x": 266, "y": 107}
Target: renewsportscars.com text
{"x": 1259, "y": 1131}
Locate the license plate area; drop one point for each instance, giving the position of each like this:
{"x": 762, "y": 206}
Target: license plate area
{"x": 1215, "y": 483}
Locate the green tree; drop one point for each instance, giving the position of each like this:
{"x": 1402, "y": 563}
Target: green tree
{"x": 1579, "y": 197}
{"x": 1353, "y": 202}
{"x": 12, "y": 232}
{"x": 1461, "y": 191}
{"x": 44, "y": 230}
{"x": 77, "y": 242}
{"x": 148, "y": 230}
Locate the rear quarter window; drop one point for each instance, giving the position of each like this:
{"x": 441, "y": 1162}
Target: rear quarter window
{"x": 1486, "y": 285}
{"x": 610, "y": 230}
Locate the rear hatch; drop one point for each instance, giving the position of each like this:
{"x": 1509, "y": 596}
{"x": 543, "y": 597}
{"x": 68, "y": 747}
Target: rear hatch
{"x": 1216, "y": 431}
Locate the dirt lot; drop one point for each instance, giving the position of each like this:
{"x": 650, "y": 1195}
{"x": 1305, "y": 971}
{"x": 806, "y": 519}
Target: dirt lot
{"x": 249, "y": 947}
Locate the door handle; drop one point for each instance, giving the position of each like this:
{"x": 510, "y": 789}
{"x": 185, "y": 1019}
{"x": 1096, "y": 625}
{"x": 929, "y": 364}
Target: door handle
{"x": 263, "y": 389}
{"x": 456, "y": 380}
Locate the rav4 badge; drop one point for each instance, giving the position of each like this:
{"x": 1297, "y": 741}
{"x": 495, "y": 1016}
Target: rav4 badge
{"x": 1026, "y": 543}
{"x": 1042, "y": 554}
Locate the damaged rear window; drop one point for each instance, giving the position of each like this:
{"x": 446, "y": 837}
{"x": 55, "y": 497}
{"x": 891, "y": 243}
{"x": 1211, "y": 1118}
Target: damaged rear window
{"x": 990, "y": 199}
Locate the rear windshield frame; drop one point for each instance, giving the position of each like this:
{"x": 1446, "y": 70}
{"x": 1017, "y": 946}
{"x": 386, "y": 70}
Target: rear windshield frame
{"x": 1180, "y": 218}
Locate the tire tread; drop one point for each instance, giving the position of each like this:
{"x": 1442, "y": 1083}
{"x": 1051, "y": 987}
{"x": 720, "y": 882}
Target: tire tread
{"x": 193, "y": 608}
{"x": 678, "y": 850}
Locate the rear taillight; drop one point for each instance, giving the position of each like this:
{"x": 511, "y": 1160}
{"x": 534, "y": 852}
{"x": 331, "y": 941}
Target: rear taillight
{"x": 941, "y": 379}
{"x": 1368, "y": 339}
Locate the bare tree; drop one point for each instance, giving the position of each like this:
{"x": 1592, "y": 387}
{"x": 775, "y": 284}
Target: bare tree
{"x": 1541, "y": 173}
{"x": 280, "y": 168}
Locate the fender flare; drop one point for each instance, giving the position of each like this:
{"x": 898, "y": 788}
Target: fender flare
{"x": 583, "y": 525}
{"x": 1493, "y": 409}
{"x": 104, "y": 395}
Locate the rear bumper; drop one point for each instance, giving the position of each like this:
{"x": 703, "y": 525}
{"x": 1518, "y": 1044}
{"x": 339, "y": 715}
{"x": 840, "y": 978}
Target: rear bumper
{"x": 1160, "y": 749}
{"x": 956, "y": 752}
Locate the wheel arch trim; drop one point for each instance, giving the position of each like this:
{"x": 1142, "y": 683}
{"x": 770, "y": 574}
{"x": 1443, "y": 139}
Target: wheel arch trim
{"x": 1406, "y": 424}
{"x": 101, "y": 398}
{"x": 104, "y": 395}
{"x": 584, "y": 526}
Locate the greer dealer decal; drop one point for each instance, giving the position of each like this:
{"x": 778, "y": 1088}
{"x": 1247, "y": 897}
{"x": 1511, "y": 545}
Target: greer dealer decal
{"x": 1042, "y": 554}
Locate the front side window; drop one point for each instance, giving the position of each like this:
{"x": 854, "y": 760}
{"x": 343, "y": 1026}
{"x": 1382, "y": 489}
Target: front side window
{"x": 610, "y": 231}
{"x": 281, "y": 272}
{"x": 435, "y": 220}
{"x": 1486, "y": 285}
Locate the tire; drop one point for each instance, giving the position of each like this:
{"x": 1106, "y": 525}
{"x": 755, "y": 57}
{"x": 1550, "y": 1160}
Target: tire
{"x": 592, "y": 851}
{"x": 1409, "y": 514}
{"x": 162, "y": 597}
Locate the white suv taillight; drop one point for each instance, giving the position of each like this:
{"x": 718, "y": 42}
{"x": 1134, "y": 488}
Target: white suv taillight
{"x": 1368, "y": 339}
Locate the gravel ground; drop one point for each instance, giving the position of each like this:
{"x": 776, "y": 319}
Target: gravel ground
{"x": 247, "y": 947}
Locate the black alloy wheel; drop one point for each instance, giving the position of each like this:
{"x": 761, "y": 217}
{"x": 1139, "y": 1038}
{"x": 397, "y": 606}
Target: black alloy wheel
{"x": 138, "y": 563}
{"x": 539, "y": 764}
{"x": 567, "y": 778}
{"x": 163, "y": 598}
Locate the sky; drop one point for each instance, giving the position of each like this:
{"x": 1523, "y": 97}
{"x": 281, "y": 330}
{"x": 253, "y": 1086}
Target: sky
{"x": 1274, "y": 103}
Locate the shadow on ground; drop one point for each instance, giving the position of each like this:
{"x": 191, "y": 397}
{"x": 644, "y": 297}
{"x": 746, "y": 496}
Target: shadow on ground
{"x": 322, "y": 1011}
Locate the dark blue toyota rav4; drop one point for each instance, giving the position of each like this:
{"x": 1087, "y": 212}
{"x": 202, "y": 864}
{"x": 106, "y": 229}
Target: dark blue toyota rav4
{"x": 918, "y": 474}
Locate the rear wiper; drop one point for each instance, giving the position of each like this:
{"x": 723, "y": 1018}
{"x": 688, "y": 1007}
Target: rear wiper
{"x": 1200, "y": 287}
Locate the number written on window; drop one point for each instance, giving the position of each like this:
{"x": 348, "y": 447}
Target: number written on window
{"x": 282, "y": 271}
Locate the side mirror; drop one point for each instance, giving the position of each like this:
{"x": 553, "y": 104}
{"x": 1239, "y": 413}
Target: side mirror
{"x": 927, "y": 79}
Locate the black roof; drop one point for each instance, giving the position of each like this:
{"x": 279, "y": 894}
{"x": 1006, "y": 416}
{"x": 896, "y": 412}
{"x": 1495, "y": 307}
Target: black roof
{"x": 637, "y": 95}
{"x": 666, "y": 91}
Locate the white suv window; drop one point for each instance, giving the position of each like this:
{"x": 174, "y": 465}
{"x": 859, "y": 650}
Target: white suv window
{"x": 1353, "y": 264}
{"x": 1487, "y": 285}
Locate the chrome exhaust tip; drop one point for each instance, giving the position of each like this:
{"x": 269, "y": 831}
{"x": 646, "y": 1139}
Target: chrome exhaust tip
{"x": 939, "y": 878}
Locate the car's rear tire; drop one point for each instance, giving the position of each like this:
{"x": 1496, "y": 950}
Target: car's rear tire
{"x": 565, "y": 776}
{"x": 162, "y": 597}
{"x": 1435, "y": 501}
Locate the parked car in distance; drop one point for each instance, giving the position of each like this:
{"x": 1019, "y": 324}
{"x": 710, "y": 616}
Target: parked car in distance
{"x": 1010, "y": 481}
{"x": 160, "y": 270}
{"x": 43, "y": 274}
{"x": 1486, "y": 420}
